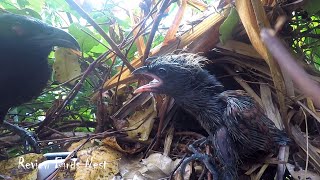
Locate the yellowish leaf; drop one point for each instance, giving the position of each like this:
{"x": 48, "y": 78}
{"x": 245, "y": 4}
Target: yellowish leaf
{"x": 176, "y": 22}
{"x": 66, "y": 65}
{"x": 21, "y": 167}
{"x": 142, "y": 122}
{"x": 253, "y": 18}
{"x": 99, "y": 162}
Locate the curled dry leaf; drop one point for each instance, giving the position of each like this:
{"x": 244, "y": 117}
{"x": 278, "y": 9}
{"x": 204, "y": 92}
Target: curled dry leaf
{"x": 156, "y": 166}
{"x": 298, "y": 173}
{"x": 130, "y": 149}
{"x": 75, "y": 145}
{"x": 141, "y": 122}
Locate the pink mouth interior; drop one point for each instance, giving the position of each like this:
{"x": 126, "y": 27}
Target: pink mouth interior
{"x": 150, "y": 87}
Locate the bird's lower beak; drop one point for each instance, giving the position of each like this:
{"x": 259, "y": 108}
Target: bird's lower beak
{"x": 152, "y": 86}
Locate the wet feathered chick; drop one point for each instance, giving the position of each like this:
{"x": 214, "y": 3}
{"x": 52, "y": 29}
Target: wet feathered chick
{"x": 25, "y": 44}
{"x": 201, "y": 94}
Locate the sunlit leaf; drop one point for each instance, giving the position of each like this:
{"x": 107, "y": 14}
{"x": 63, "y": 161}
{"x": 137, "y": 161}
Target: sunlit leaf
{"x": 228, "y": 26}
{"x": 26, "y": 12}
{"x": 7, "y": 4}
{"x": 36, "y": 5}
{"x": 312, "y": 6}
{"x": 86, "y": 42}
{"x": 66, "y": 65}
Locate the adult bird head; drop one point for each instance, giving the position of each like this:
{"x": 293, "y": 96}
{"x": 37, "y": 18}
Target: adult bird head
{"x": 178, "y": 75}
{"x": 33, "y": 34}
{"x": 25, "y": 44}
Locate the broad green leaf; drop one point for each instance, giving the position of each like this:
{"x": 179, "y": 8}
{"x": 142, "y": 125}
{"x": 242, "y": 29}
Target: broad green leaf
{"x": 86, "y": 42}
{"x": 36, "y": 5}
{"x": 57, "y": 5}
{"x": 99, "y": 49}
{"x": 6, "y": 4}
{"x": 26, "y": 12}
{"x": 228, "y": 25}
{"x": 312, "y": 6}
{"x": 23, "y": 3}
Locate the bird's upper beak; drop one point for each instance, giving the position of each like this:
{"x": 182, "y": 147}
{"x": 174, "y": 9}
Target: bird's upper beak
{"x": 153, "y": 85}
{"x": 140, "y": 70}
{"x": 57, "y": 37}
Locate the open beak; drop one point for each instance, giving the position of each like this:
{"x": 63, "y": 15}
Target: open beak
{"x": 152, "y": 86}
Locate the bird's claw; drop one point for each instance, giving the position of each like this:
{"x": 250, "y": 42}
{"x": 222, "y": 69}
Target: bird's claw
{"x": 28, "y": 137}
{"x": 204, "y": 158}
{"x": 207, "y": 161}
{"x": 224, "y": 153}
{"x": 198, "y": 143}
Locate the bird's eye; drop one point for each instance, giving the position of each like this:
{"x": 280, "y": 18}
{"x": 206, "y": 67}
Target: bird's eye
{"x": 162, "y": 72}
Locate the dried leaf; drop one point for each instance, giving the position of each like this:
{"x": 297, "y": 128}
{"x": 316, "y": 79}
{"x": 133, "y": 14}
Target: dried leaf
{"x": 198, "y": 4}
{"x": 97, "y": 163}
{"x": 253, "y": 17}
{"x": 112, "y": 142}
{"x": 240, "y": 48}
{"x": 176, "y": 22}
{"x": 22, "y": 167}
{"x": 299, "y": 138}
{"x": 75, "y": 145}
{"x": 156, "y": 166}
{"x": 142, "y": 122}
{"x": 66, "y": 65}
{"x": 301, "y": 174}
{"x": 141, "y": 46}
{"x": 271, "y": 111}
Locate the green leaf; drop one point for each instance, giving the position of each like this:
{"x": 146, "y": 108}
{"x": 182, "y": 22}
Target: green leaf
{"x": 36, "y": 5}
{"x": 6, "y": 4}
{"x": 86, "y": 42}
{"x": 58, "y": 5}
{"x": 23, "y": 3}
{"x": 312, "y": 7}
{"x": 228, "y": 25}
{"x": 26, "y": 12}
{"x": 99, "y": 49}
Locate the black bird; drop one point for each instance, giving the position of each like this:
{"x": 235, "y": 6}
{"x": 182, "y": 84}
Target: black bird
{"x": 235, "y": 122}
{"x": 25, "y": 44}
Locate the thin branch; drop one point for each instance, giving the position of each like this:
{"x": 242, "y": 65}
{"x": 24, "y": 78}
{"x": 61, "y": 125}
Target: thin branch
{"x": 101, "y": 32}
{"x": 154, "y": 28}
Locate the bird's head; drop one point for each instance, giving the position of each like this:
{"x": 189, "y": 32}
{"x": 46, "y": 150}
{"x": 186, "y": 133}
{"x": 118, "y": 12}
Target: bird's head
{"x": 177, "y": 75}
{"x": 33, "y": 33}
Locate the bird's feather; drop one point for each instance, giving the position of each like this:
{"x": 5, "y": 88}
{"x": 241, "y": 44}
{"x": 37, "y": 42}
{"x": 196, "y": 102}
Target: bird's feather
{"x": 25, "y": 44}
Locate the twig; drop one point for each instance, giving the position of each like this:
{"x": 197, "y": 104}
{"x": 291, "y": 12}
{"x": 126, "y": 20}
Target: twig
{"x": 48, "y": 120}
{"x": 290, "y": 66}
{"x": 154, "y": 29}
{"x": 101, "y": 32}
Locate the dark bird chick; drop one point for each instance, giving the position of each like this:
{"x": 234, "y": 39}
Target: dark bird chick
{"x": 25, "y": 44}
{"x": 235, "y": 121}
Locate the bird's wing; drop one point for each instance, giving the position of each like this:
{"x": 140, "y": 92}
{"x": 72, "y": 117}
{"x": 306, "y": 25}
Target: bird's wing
{"x": 246, "y": 121}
